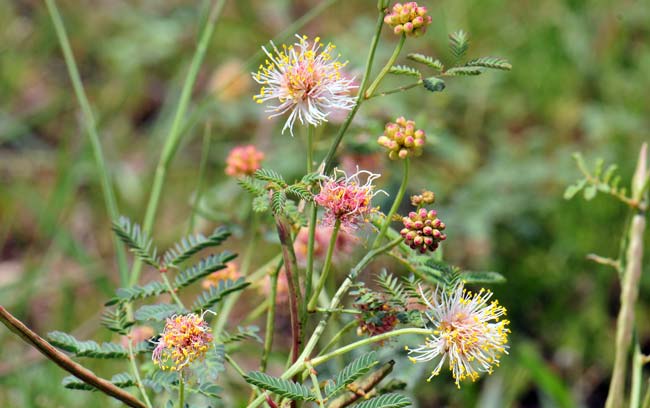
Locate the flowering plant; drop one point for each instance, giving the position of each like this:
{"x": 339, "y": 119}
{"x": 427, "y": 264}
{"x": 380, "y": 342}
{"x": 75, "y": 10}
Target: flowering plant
{"x": 312, "y": 216}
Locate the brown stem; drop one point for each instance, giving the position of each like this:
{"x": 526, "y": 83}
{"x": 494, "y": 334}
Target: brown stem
{"x": 361, "y": 388}
{"x": 290, "y": 268}
{"x": 65, "y": 362}
{"x": 629, "y": 290}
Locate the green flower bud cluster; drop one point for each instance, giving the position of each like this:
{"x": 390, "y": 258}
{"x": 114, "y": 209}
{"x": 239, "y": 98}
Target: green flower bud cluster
{"x": 408, "y": 18}
{"x": 402, "y": 139}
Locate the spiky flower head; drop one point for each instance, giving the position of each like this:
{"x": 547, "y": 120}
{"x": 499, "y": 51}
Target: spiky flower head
{"x": 185, "y": 338}
{"x": 345, "y": 198}
{"x": 243, "y": 160}
{"x": 305, "y": 80}
{"x": 423, "y": 230}
{"x": 408, "y": 18}
{"x": 468, "y": 333}
{"x": 402, "y": 139}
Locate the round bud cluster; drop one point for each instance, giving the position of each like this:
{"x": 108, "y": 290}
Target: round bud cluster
{"x": 243, "y": 160}
{"x": 427, "y": 197}
{"x": 402, "y": 139}
{"x": 423, "y": 230}
{"x": 408, "y": 18}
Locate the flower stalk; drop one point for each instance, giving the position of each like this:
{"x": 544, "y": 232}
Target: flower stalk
{"x": 395, "y": 206}
{"x": 630, "y": 288}
{"x": 326, "y": 267}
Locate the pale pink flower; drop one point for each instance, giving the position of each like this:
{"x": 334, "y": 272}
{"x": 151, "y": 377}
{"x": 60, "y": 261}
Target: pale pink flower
{"x": 243, "y": 160}
{"x": 345, "y": 199}
{"x": 467, "y": 331}
{"x": 185, "y": 338}
{"x": 344, "y": 244}
{"x": 305, "y": 80}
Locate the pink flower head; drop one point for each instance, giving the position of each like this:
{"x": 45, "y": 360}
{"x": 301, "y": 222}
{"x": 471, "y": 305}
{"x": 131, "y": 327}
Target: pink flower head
{"x": 185, "y": 338}
{"x": 243, "y": 160}
{"x": 306, "y": 81}
{"x": 345, "y": 199}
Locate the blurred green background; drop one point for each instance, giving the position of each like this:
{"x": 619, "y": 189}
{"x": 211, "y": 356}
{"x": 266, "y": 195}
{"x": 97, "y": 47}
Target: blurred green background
{"x": 499, "y": 159}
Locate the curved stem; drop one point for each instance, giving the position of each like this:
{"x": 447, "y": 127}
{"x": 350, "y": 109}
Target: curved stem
{"x": 329, "y": 158}
{"x": 338, "y": 335}
{"x": 326, "y": 267}
{"x": 314, "y": 381}
{"x": 373, "y": 87}
{"x": 93, "y": 136}
{"x": 175, "y": 133}
{"x": 65, "y": 362}
{"x": 395, "y": 206}
{"x": 374, "y": 339}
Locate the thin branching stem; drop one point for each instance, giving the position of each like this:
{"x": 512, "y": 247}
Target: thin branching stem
{"x": 326, "y": 266}
{"x": 65, "y": 362}
{"x": 373, "y": 87}
{"x": 395, "y": 206}
{"x": 136, "y": 374}
{"x": 312, "y": 218}
{"x": 629, "y": 291}
{"x": 328, "y": 161}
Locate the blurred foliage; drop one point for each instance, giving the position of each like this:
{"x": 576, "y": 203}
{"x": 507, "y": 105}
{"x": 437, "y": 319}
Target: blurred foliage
{"x": 499, "y": 165}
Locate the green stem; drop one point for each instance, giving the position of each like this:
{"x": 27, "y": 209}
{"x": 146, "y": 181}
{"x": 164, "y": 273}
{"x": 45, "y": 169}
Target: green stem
{"x": 207, "y": 135}
{"x": 397, "y": 90}
{"x": 369, "y": 340}
{"x": 637, "y": 375}
{"x": 175, "y": 133}
{"x": 181, "y": 391}
{"x": 91, "y": 129}
{"x": 136, "y": 375}
{"x": 313, "y": 213}
{"x": 270, "y": 319}
{"x": 299, "y": 364}
{"x": 338, "y": 336}
{"x": 326, "y": 267}
{"x": 314, "y": 381}
{"x": 629, "y": 291}
{"x": 172, "y": 292}
{"x": 646, "y": 398}
{"x": 395, "y": 206}
{"x": 373, "y": 87}
{"x": 295, "y": 299}
{"x": 329, "y": 158}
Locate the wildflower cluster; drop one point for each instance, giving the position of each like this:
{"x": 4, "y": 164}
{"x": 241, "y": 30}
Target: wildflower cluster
{"x": 468, "y": 332}
{"x": 306, "y": 81}
{"x": 243, "y": 160}
{"x": 345, "y": 198}
{"x": 426, "y": 197}
{"x": 423, "y": 230}
{"x": 185, "y": 338}
{"x": 408, "y": 18}
{"x": 402, "y": 139}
